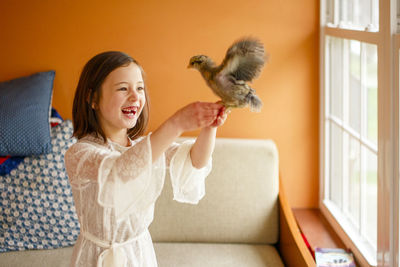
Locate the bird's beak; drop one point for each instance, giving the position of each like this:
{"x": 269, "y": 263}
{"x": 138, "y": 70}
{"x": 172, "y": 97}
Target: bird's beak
{"x": 189, "y": 66}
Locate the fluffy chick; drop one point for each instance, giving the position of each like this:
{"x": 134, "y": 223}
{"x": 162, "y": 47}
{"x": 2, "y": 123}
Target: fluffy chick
{"x": 243, "y": 62}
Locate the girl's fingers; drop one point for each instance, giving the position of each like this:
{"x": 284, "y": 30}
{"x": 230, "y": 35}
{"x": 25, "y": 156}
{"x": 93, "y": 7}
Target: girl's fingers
{"x": 218, "y": 122}
{"x": 210, "y": 120}
{"x": 201, "y": 114}
{"x": 220, "y": 119}
{"x": 213, "y": 106}
{"x": 210, "y": 113}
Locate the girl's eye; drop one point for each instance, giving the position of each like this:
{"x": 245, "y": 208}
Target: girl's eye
{"x": 140, "y": 88}
{"x": 122, "y": 89}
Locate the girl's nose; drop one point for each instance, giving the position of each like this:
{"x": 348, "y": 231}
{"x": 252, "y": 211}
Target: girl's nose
{"x": 133, "y": 95}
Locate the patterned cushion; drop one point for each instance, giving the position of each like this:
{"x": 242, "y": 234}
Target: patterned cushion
{"x": 36, "y": 205}
{"x": 24, "y": 115}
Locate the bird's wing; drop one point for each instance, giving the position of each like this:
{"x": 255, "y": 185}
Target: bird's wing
{"x": 244, "y": 59}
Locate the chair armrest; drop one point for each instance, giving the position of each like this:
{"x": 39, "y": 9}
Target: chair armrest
{"x": 291, "y": 246}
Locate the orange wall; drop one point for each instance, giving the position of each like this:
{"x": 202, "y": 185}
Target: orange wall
{"x": 162, "y": 36}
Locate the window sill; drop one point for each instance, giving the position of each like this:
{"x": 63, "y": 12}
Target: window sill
{"x": 318, "y": 231}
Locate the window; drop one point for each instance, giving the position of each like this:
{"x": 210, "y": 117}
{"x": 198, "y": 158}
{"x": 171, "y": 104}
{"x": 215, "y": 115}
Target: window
{"x": 359, "y": 126}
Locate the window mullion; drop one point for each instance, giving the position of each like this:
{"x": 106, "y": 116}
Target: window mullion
{"x": 362, "y": 36}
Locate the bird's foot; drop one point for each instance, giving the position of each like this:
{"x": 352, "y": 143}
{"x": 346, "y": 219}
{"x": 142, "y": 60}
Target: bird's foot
{"x": 228, "y": 108}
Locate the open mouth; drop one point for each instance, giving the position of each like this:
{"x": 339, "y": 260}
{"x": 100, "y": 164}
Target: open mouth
{"x": 130, "y": 111}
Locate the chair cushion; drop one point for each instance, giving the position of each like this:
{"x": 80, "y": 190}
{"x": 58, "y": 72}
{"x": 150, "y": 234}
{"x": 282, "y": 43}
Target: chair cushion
{"x": 60, "y": 257}
{"x": 168, "y": 254}
{"x": 208, "y": 254}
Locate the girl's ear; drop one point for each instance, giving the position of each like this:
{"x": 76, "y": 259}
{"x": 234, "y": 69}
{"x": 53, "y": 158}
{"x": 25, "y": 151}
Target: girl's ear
{"x": 90, "y": 99}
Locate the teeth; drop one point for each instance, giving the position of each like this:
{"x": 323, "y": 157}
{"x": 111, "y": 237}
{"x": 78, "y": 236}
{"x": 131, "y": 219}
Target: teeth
{"x": 130, "y": 110}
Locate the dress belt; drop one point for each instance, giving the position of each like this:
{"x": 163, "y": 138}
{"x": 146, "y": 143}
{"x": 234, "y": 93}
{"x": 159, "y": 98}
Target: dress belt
{"x": 114, "y": 255}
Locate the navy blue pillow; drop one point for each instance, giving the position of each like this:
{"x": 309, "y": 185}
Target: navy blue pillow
{"x": 25, "y": 105}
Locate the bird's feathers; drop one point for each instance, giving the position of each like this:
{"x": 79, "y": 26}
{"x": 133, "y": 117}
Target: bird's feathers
{"x": 242, "y": 63}
{"x": 244, "y": 59}
{"x": 254, "y": 102}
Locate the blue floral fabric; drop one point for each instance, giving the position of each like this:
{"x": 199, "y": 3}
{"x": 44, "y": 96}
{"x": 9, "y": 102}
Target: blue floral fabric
{"x": 36, "y": 205}
{"x": 11, "y": 163}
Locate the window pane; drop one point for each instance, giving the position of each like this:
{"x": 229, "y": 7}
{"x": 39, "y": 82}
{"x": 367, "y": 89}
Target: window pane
{"x": 371, "y": 85}
{"x": 329, "y": 11}
{"x": 351, "y": 134}
{"x": 398, "y": 16}
{"x": 336, "y": 165}
{"x": 355, "y": 86}
{"x": 354, "y": 161}
{"x": 346, "y": 11}
{"x": 362, "y": 13}
{"x": 336, "y": 80}
{"x": 356, "y": 14}
{"x": 375, "y": 14}
{"x": 371, "y": 196}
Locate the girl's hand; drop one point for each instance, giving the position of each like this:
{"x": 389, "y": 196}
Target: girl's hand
{"x": 221, "y": 118}
{"x": 199, "y": 115}
{"x": 196, "y": 115}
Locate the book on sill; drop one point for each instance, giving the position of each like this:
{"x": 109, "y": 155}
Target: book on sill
{"x": 330, "y": 257}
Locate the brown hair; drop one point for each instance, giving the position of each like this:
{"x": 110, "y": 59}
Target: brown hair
{"x": 84, "y": 117}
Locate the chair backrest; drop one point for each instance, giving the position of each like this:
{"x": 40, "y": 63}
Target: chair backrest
{"x": 241, "y": 201}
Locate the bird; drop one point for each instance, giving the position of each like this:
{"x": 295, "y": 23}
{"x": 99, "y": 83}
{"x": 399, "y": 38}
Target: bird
{"x": 243, "y": 62}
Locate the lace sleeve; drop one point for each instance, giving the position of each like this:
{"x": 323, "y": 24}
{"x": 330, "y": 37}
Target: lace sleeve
{"x": 169, "y": 154}
{"x": 188, "y": 182}
{"x": 121, "y": 177}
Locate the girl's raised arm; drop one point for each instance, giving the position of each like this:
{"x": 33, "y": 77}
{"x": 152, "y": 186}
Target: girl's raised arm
{"x": 191, "y": 117}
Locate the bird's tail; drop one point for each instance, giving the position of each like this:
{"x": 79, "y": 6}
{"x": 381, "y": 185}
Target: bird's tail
{"x": 254, "y": 102}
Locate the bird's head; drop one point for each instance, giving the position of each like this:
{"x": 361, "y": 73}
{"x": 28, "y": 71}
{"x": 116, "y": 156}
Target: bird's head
{"x": 197, "y": 62}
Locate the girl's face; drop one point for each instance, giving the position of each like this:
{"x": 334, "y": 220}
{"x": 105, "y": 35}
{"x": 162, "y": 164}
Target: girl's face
{"x": 122, "y": 98}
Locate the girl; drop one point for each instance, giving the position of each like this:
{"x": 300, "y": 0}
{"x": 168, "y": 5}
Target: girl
{"x": 116, "y": 174}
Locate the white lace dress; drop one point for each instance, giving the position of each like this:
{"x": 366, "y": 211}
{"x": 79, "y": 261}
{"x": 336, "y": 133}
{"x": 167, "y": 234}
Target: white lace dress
{"x": 115, "y": 189}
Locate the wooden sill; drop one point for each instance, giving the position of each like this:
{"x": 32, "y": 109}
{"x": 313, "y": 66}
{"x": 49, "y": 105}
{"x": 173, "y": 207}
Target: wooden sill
{"x": 319, "y": 232}
{"x": 316, "y": 229}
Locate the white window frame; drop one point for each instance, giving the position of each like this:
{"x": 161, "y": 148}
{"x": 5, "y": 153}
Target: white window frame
{"x": 388, "y": 43}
